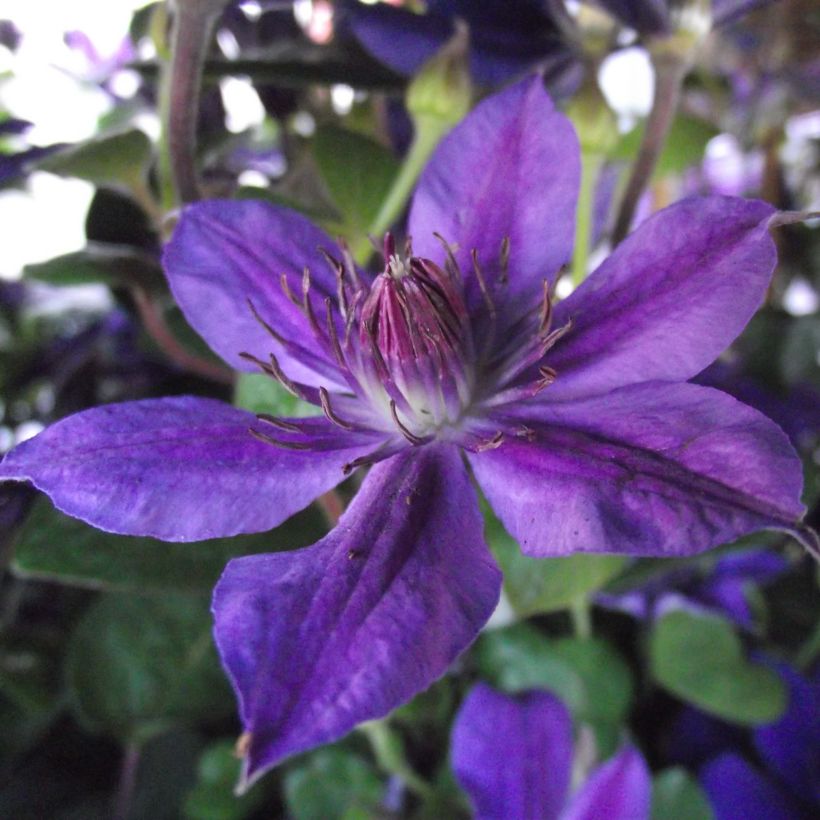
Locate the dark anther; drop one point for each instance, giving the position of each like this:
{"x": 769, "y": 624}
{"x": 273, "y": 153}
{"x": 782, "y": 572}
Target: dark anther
{"x": 504, "y": 260}
{"x": 264, "y": 324}
{"x": 411, "y": 437}
{"x": 491, "y": 443}
{"x": 286, "y": 445}
{"x": 485, "y": 292}
{"x": 324, "y": 397}
{"x": 281, "y": 424}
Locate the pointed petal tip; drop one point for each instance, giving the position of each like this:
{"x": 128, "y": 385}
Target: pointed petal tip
{"x": 299, "y": 677}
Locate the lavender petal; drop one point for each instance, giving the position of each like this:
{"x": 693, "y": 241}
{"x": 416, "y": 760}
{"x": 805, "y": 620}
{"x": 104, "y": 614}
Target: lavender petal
{"x": 181, "y": 469}
{"x": 511, "y": 169}
{"x": 651, "y": 469}
{"x": 321, "y": 639}
{"x": 669, "y": 299}
{"x": 513, "y": 755}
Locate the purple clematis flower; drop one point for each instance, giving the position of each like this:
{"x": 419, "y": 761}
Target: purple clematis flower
{"x": 720, "y": 588}
{"x": 513, "y": 757}
{"x": 784, "y": 780}
{"x": 576, "y": 418}
{"x": 507, "y": 37}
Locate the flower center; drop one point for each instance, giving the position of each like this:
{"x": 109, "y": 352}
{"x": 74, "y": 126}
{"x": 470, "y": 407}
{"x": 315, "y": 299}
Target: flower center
{"x": 414, "y": 332}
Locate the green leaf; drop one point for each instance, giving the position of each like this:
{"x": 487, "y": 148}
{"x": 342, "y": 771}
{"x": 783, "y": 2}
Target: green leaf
{"x": 358, "y": 173}
{"x": 54, "y": 547}
{"x": 261, "y": 394}
{"x": 520, "y": 657}
{"x": 605, "y": 674}
{"x": 113, "y": 265}
{"x": 213, "y": 798}
{"x": 801, "y": 351}
{"x": 684, "y": 147}
{"x": 676, "y": 795}
{"x": 699, "y": 658}
{"x": 540, "y": 585}
{"x": 166, "y": 773}
{"x": 117, "y": 159}
{"x": 330, "y": 783}
{"x": 137, "y": 666}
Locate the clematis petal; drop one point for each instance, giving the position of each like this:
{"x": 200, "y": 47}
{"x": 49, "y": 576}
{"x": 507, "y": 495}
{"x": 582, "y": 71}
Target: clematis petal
{"x": 507, "y": 37}
{"x": 181, "y": 469}
{"x": 513, "y": 755}
{"x": 737, "y": 791}
{"x": 650, "y": 469}
{"x": 620, "y": 789}
{"x": 223, "y": 254}
{"x": 318, "y": 640}
{"x": 511, "y": 169}
{"x": 396, "y": 37}
{"x": 669, "y": 299}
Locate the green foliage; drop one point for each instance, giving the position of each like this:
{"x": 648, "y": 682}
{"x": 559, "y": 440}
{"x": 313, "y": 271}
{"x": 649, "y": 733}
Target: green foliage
{"x": 112, "y": 265}
{"x": 332, "y": 783}
{"x": 520, "y": 657}
{"x": 137, "y": 666}
{"x": 700, "y": 658}
{"x": 684, "y": 147}
{"x": 359, "y": 184}
{"x": 540, "y": 585}
{"x": 55, "y": 547}
{"x": 166, "y": 773}
{"x": 800, "y": 351}
{"x": 116, "y": 159}
{"x": 676, "y": 795}
{"x": 213, "y": 798}
{"x": 261, "y": 394}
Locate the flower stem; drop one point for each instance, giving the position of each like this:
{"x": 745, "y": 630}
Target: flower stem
{"x": 180, "y": 86}
{"x": 127, "y": 782}
{"x": 590, "y": 167}
{"x": 332, "y": 506}
{"x": 154, "y": 323}
{"x": 670, "y": 70}
{"x": 581, "y": 618}
{"x": 389, "y": 753}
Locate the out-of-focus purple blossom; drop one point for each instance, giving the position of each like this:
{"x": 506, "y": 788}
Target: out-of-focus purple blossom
{"x": 507, "y": 37}
{"x": 787, "y": 785}
{"x": 728, "y": 169}
{"x": 722, "y": 588}
{"x": 455, "y": 351}
{"x": 513, "y": 757}
{"x": 101, "y": 68}
{"x": 10, "y": 35}
{"x": 796, "y": 411}
{"x": 15, "y": 165}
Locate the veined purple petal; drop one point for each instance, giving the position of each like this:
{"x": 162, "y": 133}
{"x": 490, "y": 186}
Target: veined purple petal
{"x": 668, "y": 300}
{"x": 739, "y": 792}
{"x": 181, "y": 469}
{"x": 511, "y": 169}
{"x": 223, "y": 254}
{"x": 513, "y": 755}
{"x": 321, "y": 639}
{"x": 650, "y": 469}
{"x": 620, "y": 789}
